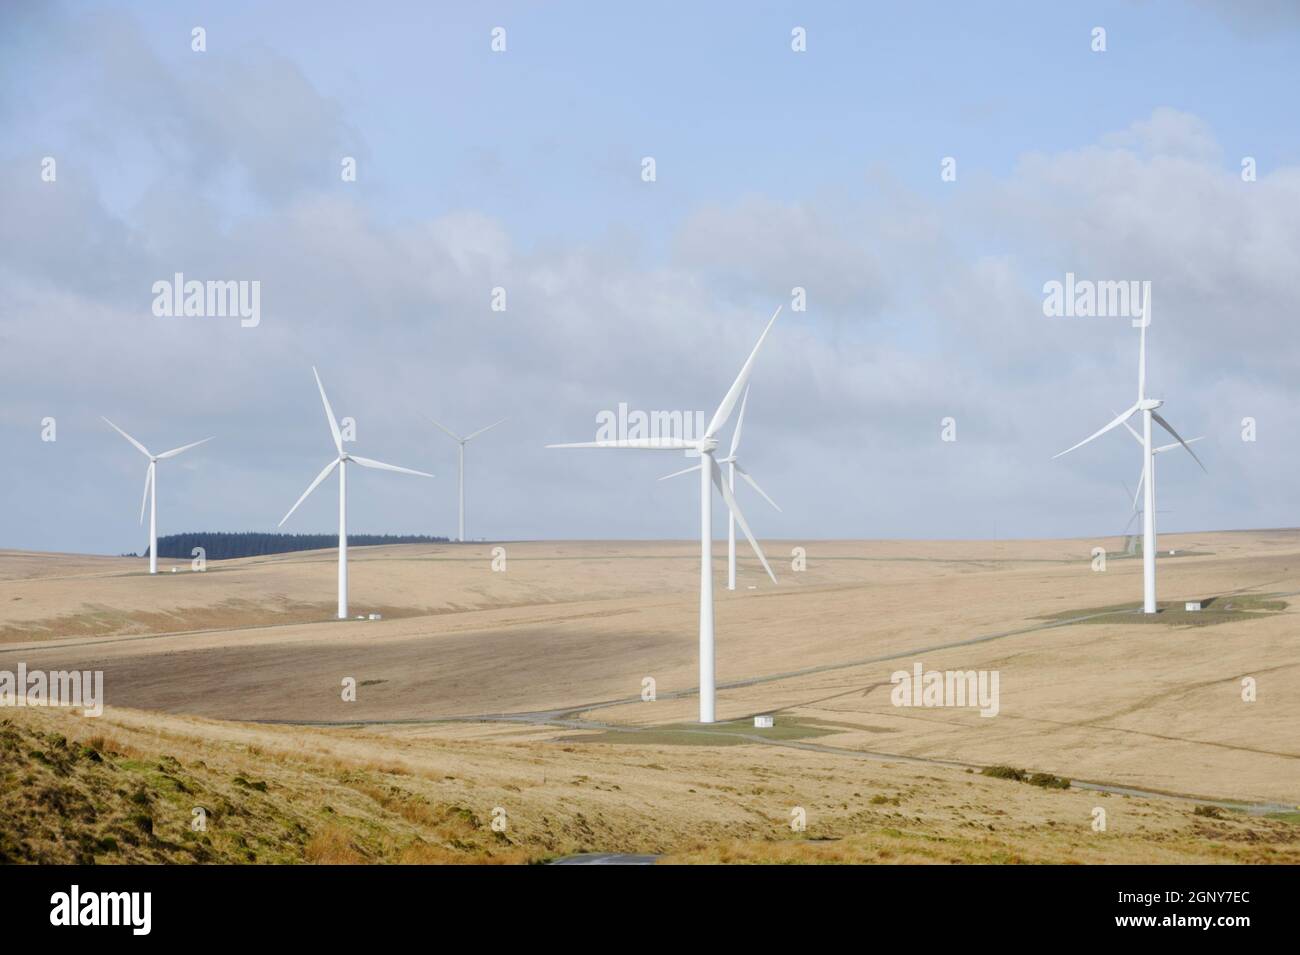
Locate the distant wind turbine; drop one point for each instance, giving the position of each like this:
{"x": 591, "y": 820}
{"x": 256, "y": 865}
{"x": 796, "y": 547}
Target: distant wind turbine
{"x": 460, "y": 445}
{"x": 341, "y": 462}
{"x": 1148, "y": 408}
{"x": 1137, "y": 511}
{"x": 151, "y": 488}
{"x": 733, "y": 466}
{"x": 709, "y": 472}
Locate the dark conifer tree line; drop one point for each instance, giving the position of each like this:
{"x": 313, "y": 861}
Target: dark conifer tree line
{"x": 223, "y": 545}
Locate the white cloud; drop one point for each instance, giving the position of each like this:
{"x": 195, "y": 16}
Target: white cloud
{"x": 918, "y": 310}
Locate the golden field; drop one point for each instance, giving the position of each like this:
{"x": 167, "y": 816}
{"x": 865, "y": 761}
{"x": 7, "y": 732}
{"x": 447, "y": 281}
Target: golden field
{"x": 519, "y": 693}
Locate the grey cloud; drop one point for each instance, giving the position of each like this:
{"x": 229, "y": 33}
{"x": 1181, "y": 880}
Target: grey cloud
{"x": 1254, "y": 17}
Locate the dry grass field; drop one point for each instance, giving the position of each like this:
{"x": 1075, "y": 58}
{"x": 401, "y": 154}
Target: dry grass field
{"x": 520, "y": 692}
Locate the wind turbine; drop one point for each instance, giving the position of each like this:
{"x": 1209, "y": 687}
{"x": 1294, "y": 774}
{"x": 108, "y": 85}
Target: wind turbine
{"x": 709, "y": 472}
{"x": 1148, "y": 408}
{"x": 733, "y": 466}
{"x": 460, "y": 443}
{"x": 1142, "y": 477}
{"x": 1130, "y": 547}
{"x": 151, "y": 487}
{"x": 341, "y": 462}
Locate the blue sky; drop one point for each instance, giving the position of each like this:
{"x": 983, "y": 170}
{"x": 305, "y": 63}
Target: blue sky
{"x": 541, "y": 137}
{"x": 521, "y": 169}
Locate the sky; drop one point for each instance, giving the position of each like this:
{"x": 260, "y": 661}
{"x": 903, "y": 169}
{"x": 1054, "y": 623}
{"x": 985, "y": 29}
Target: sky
{"x": 522, "y": 169}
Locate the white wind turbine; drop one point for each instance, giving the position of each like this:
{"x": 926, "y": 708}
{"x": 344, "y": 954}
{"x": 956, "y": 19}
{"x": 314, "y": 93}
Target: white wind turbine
{"x": 709, "y": 472}
{"x": 460, "y": 444}
{"x": 733, "y": 466}
{"x": 151, "y": 487}
{"x": 1148, "y": 408}
{"x": 341, "y": 462}
{"x": 1137, "y": 511}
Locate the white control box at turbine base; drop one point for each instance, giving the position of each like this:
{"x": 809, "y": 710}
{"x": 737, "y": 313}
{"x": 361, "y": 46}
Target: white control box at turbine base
{"x": 763, "y": 722}
{"x": 1192, "y": 605}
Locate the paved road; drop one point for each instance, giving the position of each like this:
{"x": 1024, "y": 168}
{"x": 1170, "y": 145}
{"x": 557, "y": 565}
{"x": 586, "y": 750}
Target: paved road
{"x": 606, "y": 858}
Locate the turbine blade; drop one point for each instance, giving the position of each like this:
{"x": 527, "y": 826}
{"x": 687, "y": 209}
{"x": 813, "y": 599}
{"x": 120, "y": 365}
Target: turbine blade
{"x": 175, "y": 451}
{"x": 311, "y": 487}
{"x": 733, "y": 393}
{"x": 1170, "y": 428}
{"x": 143, "y": 450}
{"x": 1138, "y": 493}
{"x": 740, "y": 423}
{"x": 148, "y": 481}
{"x": 1134, "y": 517}
{"x": 1170, "y": 447}
{"x": 694, "y": 467}
{"x": 641, "y": 444}
{"x": 381, "y": 466}
{"x": 754, "y": 484}
{"x": 471, "y": 437}
{"x": 451, "y": 434}
{"x": 1131, "y": 430}
{"x": 1142, "y": 349}
{"x": 730, "y": 498}
{"x": 1119, "y": 420}
{"x": 329, "y": 413}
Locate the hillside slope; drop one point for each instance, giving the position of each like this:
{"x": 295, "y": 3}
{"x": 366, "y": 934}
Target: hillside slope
{"x": 122, "y": 788}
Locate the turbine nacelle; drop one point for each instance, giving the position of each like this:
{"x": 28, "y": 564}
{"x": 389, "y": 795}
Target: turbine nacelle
{"x": 1149, "y": 404}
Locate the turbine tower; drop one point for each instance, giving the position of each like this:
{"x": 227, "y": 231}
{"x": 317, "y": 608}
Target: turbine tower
{"x": 710, "y": 473}
{"x": 733, "y": 466}
{"x": 1148, "y": 408}
{"x": 341, "y": 462}
{"x": 151, "y": 488}
{"x": 1137, "y": 511}
{"x": 460, "y": 444}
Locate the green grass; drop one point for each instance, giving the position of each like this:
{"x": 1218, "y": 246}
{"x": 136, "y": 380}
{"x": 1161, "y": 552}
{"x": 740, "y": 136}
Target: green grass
{"x": 1004, "y": 772}
{"x": 1042, "y": 780}
{"x": 1214, "y": 610}
{"x": 100, "y": 800}
{"x": 732, "y": 733}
